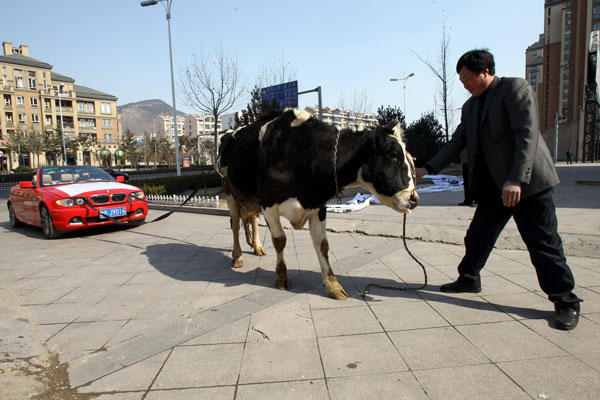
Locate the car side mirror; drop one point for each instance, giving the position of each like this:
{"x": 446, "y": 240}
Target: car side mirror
{"x": 26, "y": 185}
{"x": 120, "y": 178}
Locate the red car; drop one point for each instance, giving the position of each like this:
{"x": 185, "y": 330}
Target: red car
{"x": 67, "y": 198}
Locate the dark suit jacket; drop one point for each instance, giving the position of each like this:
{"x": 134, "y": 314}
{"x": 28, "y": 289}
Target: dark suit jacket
{"x": 510, "y": 138}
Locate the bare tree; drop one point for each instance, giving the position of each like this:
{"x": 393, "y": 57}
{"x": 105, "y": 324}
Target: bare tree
{"x": 280, "y": 72}
{"x": 442, "y": 72}
{"x": 360, "y": 104}
{"x": 212, "y": 86}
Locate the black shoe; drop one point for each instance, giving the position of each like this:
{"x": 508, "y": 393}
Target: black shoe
{"x": 462, "y": 285}
{"x": 465, "y": 203}
{"x": 567, "y": 315}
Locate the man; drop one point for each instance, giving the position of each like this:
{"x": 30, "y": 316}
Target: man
{"x": 512, "y": 175}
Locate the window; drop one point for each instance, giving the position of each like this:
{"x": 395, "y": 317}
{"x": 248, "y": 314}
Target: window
{"x": 35, "y": 118}
{"x": 106, "y": 109}
{"x": 20, "y": 101}
{"x": 32, "y": 80}
{"x": 48, "y": 120}
{"x": 9, "y": 119}
{"x": 108, "y": 138}
{"x": 107, "y": 123}
{"x": 19, "y": 81}
{"x": 34, "y": 102}
{"x": 47, "y": 104}
{"x": 22, "y": 118}
{"x": 7, "y": 100}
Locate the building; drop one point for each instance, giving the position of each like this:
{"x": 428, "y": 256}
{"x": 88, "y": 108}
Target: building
{"x": 202, "y": 128}
{"x": 559, "y": 68}
{"x": 345, "y": 119}
{"x": 166, "y": 129}
{"x": 37, "y": 101}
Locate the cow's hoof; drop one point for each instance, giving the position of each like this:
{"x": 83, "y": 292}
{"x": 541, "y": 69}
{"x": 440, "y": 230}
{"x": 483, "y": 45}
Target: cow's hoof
{"x": 283, "y": 284}
{"x": 259, "y": 251}
{"x": 338, "y": 293}
{"x": 239, "y": 263}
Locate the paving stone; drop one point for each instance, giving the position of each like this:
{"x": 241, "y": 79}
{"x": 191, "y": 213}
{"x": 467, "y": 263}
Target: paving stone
{"x": 484, "y": 381}
{"x": 580, "y": 383}
{"x": 280, "y": 361}
{"x": 206, "y": 365}
{"x": 436, "y": 348}
{"x": 408, "y": 315}
{"x": 397, "y": 386}
{"x": 345, "y": 321}
{"x": 509, "y": 341}
{"x": 360, "y": 355}
{"x": 314, "y": 389}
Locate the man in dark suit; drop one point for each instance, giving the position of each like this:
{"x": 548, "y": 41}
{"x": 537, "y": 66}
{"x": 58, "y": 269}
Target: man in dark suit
{"x": 512, "y": 174}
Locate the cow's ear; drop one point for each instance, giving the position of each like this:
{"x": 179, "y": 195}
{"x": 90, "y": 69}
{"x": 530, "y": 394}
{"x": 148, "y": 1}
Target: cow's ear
{"x": 394, "y": 128}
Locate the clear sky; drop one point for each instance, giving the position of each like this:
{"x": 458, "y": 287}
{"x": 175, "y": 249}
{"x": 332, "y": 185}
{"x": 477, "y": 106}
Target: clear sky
{"x": 346, "y": 47}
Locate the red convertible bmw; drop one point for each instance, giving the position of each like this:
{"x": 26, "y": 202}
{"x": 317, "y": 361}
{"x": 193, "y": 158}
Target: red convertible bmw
{"x": 66, "y": 198}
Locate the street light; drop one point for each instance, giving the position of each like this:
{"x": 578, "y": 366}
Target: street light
{"x": 403, "y": 87}
{"x": 167, "y": 6}
{"x": 62, "y": 125}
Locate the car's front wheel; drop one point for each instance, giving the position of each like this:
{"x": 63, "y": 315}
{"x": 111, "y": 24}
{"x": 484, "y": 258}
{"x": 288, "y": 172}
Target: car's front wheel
{"x": 14, "y": 221}
{"x": 47, "y": 225}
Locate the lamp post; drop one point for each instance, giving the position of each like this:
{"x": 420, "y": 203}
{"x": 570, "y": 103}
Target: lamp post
{"x": 62, "y": 125}
{"x": 403, "y": 87}
{"x": 167, "y": 6}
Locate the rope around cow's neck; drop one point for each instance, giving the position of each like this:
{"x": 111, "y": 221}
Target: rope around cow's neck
{"x": 366, "y": 291}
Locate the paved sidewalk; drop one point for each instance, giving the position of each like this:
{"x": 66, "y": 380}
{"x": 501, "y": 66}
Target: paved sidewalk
{"x": 157, "y": 312}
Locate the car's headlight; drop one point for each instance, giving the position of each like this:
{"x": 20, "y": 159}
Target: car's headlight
{"x": 136, "y": 195}
{"x": 74, "y": 201}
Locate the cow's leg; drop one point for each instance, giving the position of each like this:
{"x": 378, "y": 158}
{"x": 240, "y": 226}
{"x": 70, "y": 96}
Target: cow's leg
{"x": 317, "y": 225}
{"x": 278, "y": 236}
{"x": 234, "y": 212}
{"x": 256, "y": 245}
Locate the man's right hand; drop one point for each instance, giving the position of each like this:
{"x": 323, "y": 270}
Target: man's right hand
{"x": 421, "y": 172}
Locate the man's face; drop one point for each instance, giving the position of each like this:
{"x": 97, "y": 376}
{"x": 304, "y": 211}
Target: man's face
{"x": 475, "y": 83}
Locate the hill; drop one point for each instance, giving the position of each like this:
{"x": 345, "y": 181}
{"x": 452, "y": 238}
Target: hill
{"x": 141, "y": 116}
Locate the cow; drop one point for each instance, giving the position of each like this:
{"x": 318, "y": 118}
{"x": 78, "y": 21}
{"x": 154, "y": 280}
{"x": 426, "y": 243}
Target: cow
{"x": 290, "y": 164}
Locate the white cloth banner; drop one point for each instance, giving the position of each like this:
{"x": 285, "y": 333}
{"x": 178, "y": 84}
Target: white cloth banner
{"x": 360, "y": 201}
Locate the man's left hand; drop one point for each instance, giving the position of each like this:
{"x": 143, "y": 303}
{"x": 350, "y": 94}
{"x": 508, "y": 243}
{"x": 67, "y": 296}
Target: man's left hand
{"x": 511, "y": 193}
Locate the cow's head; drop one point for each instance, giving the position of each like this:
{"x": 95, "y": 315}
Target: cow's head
{"x": 390, "y": 173}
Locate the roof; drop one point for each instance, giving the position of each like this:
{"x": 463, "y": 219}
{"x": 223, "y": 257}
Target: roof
{"x": 60, "y": 78}
{"x": 89, "y": 93}
{"x": 20, "y": 59}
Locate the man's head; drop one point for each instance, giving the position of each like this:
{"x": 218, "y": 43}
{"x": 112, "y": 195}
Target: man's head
{"x": 476, "y": 69}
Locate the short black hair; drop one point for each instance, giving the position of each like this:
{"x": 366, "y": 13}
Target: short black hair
{"x": 477, "y": 61}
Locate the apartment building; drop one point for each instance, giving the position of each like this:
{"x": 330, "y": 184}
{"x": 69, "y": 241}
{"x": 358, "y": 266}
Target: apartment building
{"x": 166, "y": 128}
{"x": 345, "y": 119}
{"x": 558, "y": 67}
{"x": 36, "y": 100}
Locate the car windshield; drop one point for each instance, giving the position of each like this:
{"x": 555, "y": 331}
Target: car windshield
{"x": 72, "y": 174}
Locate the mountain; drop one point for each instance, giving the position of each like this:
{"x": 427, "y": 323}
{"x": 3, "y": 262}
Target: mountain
{"x": 141, "y": 116}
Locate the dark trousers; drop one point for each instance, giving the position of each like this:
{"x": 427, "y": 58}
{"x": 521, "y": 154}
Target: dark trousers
{"x": 465, "y": 172}
{"x": 535, "y": 217}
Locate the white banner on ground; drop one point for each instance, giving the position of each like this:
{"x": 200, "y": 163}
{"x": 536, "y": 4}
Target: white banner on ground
{"x": 360, "y": 201}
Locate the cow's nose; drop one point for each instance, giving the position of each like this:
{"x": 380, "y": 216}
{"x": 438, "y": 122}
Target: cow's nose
{"x": 413, "y": 199}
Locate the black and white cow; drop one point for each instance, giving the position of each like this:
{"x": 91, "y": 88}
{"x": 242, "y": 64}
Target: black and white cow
{"x": 284, "y": 166}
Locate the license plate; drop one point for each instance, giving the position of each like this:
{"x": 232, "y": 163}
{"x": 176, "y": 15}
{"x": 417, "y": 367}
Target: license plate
{"x": 112, "y": 212}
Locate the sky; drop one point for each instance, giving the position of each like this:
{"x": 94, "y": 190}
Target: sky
{"x": 347, "y": 47}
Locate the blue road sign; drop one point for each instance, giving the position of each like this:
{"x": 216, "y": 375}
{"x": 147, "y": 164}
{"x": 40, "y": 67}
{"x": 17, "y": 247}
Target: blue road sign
{"x": 286, "y": 94}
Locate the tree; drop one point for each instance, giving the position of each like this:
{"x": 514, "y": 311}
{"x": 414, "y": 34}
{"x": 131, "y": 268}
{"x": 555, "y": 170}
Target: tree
{"x": 385, "y": 115}
{"x": 52, "y": 143}
{"x": 212, "y": 87}
{"x": 35, "y": 143}
{"x": 444, "y": 75}
{"x": 129, "y": 146}
{"x": 424, "y": 138}
{"x": 258, "y": 106}
{"x": 18, "y": 143}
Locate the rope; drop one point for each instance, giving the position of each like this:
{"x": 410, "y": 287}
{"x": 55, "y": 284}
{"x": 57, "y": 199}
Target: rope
{"x": 363, "y": 294}
{"x": 338, "y": 193}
